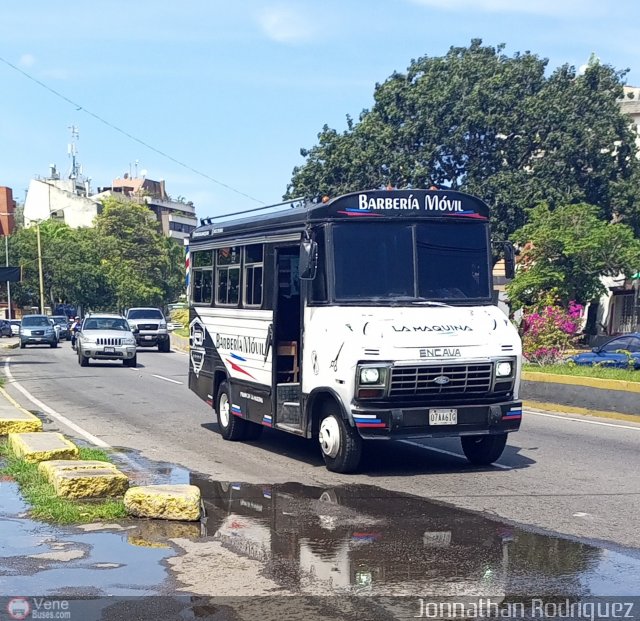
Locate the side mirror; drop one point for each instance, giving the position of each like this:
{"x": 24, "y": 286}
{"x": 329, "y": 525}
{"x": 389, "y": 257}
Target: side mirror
{"x": 509, "y": 260}
{"x": 308, "y": 260}
{"x": 135, "y": 329}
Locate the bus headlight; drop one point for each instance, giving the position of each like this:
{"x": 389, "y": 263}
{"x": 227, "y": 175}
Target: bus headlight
{"x": 503, "y": 369}
{"x": 369, "y": 375}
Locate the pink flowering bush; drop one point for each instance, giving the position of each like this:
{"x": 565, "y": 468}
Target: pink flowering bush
{"x": 548, "y": 330}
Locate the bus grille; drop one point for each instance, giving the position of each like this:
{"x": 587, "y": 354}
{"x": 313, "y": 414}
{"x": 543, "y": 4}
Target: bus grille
{"x": 108, "y": 341}
{"x": 434, "y": 380}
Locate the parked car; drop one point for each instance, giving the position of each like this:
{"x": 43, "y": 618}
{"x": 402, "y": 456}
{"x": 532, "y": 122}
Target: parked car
{"x": 151, "y": 327}
{"x": 106, "y": 336}
{"x": 608, "y": 354}
{"x": 5, "y": 328}
{"x": 15, "y": 326}
{"x": 62, "y": 327}
{"x": 37, "y": 330}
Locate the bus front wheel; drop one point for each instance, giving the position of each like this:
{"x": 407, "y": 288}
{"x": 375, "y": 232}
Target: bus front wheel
{"x": 340, "y": 443}
{"x": 483, "y": 450}
{"x": 231, "y": 426}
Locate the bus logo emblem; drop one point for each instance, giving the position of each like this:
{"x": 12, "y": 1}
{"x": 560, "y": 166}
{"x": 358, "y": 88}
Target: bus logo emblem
{"x": 442, "y": 380}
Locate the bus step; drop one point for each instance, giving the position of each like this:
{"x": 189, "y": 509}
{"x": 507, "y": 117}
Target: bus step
{"x": 290, "y": 428}
{"x": 289, "y": 413}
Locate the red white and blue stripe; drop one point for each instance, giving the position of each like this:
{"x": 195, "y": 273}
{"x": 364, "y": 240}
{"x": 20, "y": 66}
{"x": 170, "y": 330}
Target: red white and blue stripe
{"x": 513, "y": 414}
{"x": 267, "y": 420}
{"x": 235, "y": 409}
{"x": 368, "y": 420}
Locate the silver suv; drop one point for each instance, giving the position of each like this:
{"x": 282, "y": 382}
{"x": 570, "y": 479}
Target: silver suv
{"x": 150, "y": 327}
{"x": 37, "y": 330}
{"x": 106, "y": 336}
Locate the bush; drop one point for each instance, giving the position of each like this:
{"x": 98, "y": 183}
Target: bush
{"x": 548, "y": 330}
{"x": 180, "y": 315}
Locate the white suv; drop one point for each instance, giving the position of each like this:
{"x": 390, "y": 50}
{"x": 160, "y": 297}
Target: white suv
{"x": 105, "y": 336}
{"x": 151, "y": 327}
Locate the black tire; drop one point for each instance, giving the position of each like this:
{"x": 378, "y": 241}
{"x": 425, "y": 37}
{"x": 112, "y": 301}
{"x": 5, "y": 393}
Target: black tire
{"x": 132, "y": 362}
{"x": 483, "y": 450}
{"x": 231, "y": 427}
{"x": 22, "y": 345}
{"x": 82, "y": 360}
{"x": 54, "y": 344}
{"x": 345, "y": 456}
{"x": 164, "y": 347}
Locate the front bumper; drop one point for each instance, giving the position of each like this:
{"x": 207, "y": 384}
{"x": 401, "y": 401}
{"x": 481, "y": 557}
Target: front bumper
{"x": 413, "y": 422}
{"x": 101, "y": 352}
{"x": 38, "y": 340}
{"x": 149, "y": 339}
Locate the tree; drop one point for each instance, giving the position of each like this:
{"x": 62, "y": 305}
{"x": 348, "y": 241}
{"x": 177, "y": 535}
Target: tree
{"x": 566, "y": 251}
{"x": 141, "y": 266}
{"x": 492, "y": 125}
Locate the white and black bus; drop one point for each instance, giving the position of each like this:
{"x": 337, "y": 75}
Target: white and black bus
{"x": 364, "y": 317}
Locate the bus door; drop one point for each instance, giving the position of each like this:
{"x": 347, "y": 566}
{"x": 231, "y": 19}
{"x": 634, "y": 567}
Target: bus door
{"x": 287, "y": 343}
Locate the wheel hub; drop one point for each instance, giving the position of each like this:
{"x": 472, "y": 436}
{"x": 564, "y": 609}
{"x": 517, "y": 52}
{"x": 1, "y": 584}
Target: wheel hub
{"x": 223, "y": 408}
{"x": 330, "y": 437}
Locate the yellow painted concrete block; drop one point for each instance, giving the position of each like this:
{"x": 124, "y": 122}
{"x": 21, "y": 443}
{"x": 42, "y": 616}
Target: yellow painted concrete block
{"x": 43, "y": 446}
{"x": 89, "y": 483}
{"x": 18, "y": 421}
{"x": 49, "y": 468}
{"x": 167, "y": 502}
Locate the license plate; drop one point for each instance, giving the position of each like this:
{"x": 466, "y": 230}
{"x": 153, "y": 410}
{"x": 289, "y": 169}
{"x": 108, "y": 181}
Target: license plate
{"x": 436, "y": 539}
{"x": 443, "y": 417}
{"x": 109, "y": 350}
{"x": 148, "y": 338}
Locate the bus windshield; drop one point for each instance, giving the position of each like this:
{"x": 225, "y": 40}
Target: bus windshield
{"x": 432, "y": 261}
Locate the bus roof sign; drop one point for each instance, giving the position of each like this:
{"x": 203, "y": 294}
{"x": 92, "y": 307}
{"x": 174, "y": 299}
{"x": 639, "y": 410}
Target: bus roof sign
{"x": 403, "y": 203}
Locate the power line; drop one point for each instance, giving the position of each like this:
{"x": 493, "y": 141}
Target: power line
{"x": 80, "y": 108}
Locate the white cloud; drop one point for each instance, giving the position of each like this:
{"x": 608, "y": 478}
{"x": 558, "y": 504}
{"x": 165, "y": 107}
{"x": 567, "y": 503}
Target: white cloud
{"x": 285, "y": 24}
{"x": 27, "y": 60}
{"x": 538, "y": 7}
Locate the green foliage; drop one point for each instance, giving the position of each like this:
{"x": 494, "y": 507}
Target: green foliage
{"x": 493, "y": 125}
{"x": 180, "y": 315}
{"x": 601, "y": 372}
{"x": 123, "y": 261}
{"x": 567, "y": 251}
{"x": 45, "y": 505}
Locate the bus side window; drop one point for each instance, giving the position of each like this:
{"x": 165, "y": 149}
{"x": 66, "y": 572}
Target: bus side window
{"x": 202, "y": 277}
{"x": 253, "y": 270}
{"x": 228, "y": 276}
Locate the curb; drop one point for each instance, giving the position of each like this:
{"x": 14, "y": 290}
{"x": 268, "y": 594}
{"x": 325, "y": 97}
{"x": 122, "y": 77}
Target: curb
{"x": 13, "y": 402}
{"x": 558, "y": 408}
{"x": 577, "y": 380}
{"x": 179, "y": 343}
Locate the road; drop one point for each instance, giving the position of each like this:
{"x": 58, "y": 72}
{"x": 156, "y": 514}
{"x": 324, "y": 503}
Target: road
{"x": 570, "y": 475}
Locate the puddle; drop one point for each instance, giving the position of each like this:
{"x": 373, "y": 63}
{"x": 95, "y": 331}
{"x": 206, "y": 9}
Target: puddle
{"x": 361, "y": 539}
{"x": 291, "y": 552}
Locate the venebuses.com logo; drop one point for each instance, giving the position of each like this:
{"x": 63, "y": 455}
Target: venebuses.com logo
{"x": 18, "y": 608}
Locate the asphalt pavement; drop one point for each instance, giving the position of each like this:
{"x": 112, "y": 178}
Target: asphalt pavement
{"x": 561, "y": 474}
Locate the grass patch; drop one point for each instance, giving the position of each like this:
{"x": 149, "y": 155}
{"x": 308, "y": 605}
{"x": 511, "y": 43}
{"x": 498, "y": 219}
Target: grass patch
{"x": 45, "y": 505}
{"x": 626, "y": 375}
{"x": 182, "y": 332}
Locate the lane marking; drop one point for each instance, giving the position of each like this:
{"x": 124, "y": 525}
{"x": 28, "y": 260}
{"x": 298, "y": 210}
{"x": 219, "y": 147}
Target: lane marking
{"x": 166, "y": 379}
{"x": 580, "y": 420}
{"x": 451, "y": 453}
{"x": 51, "y": 412}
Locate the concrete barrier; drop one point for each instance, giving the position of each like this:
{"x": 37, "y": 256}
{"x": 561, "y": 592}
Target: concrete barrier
{"x": 167, "y": 502}
{"x": 42, "y": 446}
{"x": 612, "y": 396}
{"x": 179, "y": 343}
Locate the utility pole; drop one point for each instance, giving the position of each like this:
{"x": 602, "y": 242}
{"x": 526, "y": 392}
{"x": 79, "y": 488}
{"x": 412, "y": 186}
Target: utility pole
{"x": 40, "y": 268}
{"x": 6, "y": 256}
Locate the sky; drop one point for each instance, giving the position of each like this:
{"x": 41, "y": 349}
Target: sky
{"x": 217, "y": 98}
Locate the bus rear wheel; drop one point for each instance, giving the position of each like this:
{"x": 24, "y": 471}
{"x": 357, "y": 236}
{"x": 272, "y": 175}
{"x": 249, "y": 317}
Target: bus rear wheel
{"x": 340, "y": 443}
{"x": 483, "y": 450}
{"x": 231, "y": 426}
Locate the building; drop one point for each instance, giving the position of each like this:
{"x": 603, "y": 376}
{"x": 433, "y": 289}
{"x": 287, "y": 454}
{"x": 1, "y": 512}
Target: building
{"x": 177, "y": 218}
{"x": 7, "y": 211}
{"x": 68, "y": 200}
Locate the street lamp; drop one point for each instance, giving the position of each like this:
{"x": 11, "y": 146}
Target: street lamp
{"x": 40, "y": 268}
